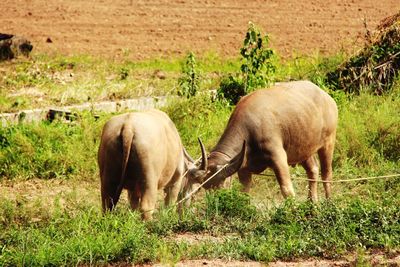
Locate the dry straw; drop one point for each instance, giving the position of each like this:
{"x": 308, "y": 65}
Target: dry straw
{"x": 376, "y": 66}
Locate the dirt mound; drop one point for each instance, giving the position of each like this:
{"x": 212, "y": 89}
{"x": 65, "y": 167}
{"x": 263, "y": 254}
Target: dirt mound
{"x": 376, "y": 66}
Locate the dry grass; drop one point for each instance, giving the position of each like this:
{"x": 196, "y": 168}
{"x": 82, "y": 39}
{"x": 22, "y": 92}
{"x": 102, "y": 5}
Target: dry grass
{"x": 375, "y": 67}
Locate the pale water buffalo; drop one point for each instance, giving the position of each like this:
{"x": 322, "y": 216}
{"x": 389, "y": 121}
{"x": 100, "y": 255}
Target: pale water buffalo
{"x": 141, "y": 152}
{"x": 276, "y": 127}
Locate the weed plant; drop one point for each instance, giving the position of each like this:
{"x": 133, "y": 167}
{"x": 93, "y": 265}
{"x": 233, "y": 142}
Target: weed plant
{"x": 189, "y": 82}
{"x": 256, "y": 71}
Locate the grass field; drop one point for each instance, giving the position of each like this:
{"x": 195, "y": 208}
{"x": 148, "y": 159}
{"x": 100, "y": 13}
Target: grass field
{"x": 49, "y": 185}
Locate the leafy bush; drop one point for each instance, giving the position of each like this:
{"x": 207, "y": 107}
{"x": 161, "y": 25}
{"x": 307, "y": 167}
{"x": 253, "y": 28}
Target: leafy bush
{"x": 256, "y": 70}
{"x": 257, "y": 67}
{"x": 231, "y": 88}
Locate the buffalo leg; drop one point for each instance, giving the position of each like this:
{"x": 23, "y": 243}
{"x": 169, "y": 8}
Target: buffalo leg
{"x": 325, "y": 157}
{"x": 172, "y": 193}
{"x": 281, "y": 169}
{"x": 245, "y": 180}
{"x": 134, "y": 193}
{"x": 149, "y": 197}
{"x": 134, "y": 199}
{"x": 109, "y": 197}
{"x": 311, "y": 167}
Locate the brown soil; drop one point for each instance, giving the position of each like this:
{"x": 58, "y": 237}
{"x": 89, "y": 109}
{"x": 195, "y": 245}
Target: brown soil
{"x": 145, "y": 29}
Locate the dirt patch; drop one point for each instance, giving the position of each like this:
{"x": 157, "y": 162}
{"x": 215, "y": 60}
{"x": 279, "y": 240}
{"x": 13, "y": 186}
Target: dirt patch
{"x": 214, "y": 263}
{"x": 143, "y": 29}
{"x": 374, "y": 259}
{"x": 46, "y": 192}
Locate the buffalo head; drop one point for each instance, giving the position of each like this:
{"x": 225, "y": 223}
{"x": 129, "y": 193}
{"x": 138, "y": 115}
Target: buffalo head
{"x": 219, "y": 170}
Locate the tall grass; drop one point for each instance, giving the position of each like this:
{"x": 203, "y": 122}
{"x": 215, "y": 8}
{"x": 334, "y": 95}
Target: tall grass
{"x": 368, "y": 133}
{"x": 50, "y": 150}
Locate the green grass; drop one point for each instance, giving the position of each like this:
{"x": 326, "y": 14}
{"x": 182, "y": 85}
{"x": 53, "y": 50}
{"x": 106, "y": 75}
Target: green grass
{"x": 290, "y": 230}
{"x": 49, "y": 193}
{"x": 58, "y": 81}
{"x": 85, "y": 237}
{"x": 369, "y": 133}
{"x": 50, "y": 150}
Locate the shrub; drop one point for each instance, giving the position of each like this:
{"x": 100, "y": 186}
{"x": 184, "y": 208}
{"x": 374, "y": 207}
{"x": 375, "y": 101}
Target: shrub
{"x": 231, "y": 88}
{"x": 257, "y": 66}
{"x": 256, "y": 70}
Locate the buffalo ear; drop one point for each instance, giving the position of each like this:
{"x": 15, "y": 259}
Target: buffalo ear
{"x": 204, "y": 161}
{"x": 235, "y": 164}
{"x": 196, "y": 175}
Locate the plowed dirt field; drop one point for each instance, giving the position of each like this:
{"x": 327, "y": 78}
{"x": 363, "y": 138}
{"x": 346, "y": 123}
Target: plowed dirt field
{"x": 152, "y": 28}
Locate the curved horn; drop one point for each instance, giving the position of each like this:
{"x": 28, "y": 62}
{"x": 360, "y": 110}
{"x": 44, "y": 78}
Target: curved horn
{"x": 234, "y": 165}
{"x": 204, "y": 162}
{"x": 187, "y": 156}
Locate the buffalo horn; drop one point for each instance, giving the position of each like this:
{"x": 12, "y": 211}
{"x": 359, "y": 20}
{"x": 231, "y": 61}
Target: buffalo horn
{"x": 187, "y": 156}
{"x": 204, "y": 162}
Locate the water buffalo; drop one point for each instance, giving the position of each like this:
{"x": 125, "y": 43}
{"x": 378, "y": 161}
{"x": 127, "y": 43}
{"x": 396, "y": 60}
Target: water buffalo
{"x": 141, "y": 152}
{"x": 276, "y": 127}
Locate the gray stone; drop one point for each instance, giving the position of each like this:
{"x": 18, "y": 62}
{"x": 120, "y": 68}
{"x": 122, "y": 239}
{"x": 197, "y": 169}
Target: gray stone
{"x": 69, "y": 112}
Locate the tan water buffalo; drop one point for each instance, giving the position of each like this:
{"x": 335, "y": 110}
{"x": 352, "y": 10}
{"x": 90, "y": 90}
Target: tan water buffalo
{"x": 141, "y": 152}
{"x": 276, "y": 127}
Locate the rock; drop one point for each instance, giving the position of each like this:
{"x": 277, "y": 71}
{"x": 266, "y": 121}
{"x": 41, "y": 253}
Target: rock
{"x": 159, "y": 74}
{"x": 11, "y": 46}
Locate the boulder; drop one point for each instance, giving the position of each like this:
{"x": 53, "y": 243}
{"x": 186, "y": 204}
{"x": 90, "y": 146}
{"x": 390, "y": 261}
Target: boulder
{"x": 12, "y": 46}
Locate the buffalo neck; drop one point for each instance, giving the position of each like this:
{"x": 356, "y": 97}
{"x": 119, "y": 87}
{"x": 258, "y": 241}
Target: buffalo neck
{"x": 229, "y": 145}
